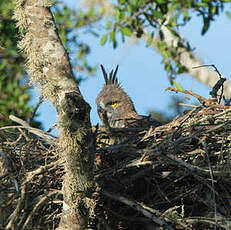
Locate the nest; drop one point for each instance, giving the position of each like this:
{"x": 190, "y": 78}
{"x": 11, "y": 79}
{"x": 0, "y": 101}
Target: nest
{"x": 176, "y": 176}
{"x": 30, "y": 179}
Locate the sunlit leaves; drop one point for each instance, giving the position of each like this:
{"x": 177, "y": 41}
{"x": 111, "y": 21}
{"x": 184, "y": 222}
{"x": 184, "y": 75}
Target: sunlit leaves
{"x": 14, "y": 96}
{"x": 101, "y": 11}
{"x": 103, "y": 39}
{"x": 137, "y": 17}
{"x": 202, "y": 4}
{"x": 157, "y": 14}
{"x": 121, "y": 2}
{"x": 162, "y": 1}
{"x": 112, "y": 36}
{"x": 228, "y": 14}
{"x": 150, "y": 39}
{"x": 117, "y": 15}
{"x": 69, "y": 20}
{"x": 108, "y": 25}
{"x": 177, "y": 85}
{"x": 126, "y": 31}
{"x": 186, "y": 16}
{"x": 138, "y": 14}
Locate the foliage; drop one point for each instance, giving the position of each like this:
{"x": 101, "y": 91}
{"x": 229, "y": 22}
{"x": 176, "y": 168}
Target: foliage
{"x": 136, "y": 17}
{"x": 14, "y": 97}
{"x": 69, "y": 19}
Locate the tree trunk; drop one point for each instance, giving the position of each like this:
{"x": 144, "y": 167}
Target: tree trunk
{"x": 49, "y": 67}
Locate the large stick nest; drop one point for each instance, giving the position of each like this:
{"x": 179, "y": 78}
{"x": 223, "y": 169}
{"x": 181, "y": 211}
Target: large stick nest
{"x": 176, "y": 176}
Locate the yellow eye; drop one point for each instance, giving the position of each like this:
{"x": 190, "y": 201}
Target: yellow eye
{"x": 114, "y": 104}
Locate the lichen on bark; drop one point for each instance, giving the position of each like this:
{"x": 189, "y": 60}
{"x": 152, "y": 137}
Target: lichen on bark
{"x": 49, "y": 67}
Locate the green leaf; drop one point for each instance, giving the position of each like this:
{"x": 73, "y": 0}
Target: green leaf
{"x": 178, "y": 86}
{"x": 117, "y": 15}
{"x": 122, "y": 15}
{"x": 213, "y": 9}
{"x": 205, "y": 26}
{"x": 91, "y": 13}
{"x": 126, "y": 31}
{"x": 103, "y": 39}
{"x": 172, "y": 20}
{"x": 101, "y": 11}
{"x": 161, "y": 1}
{"x": 112, "y": 36}
{"x": 129, "y": 9}
{"x": 114, "y": 44}
{"x": 122, "y": 1}
{"x": 108, "y": 25}
{"x": 157, "y": 14}
{"x": 150, "y": 38}
{"x": 165, "y": 54}
{"x": 186, "y": 16}
{"x": 133, "y": 2}
{"x": 202, "y": 4}
{"x": 228, "y": 15}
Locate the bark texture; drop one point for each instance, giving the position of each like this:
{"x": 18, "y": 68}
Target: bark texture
{"x": 49, "y": 67}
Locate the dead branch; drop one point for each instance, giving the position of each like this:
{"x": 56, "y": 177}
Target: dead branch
{"x": 37, "y": 206}
{"x": 138, "y": 207}
{"x": 206, "y": 102}
{"x": 35, "y": 131}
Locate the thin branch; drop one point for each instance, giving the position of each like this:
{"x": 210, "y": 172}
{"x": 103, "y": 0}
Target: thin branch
{"x": 15, "y": 215}
{"x": 193, "y": 168}
{"x": 219, "y": 84}
{"x": 35, "y": 131}
{"x": 38, "y": 205}
{"x": 208, "y": 221}
{"x": 212, "y": 182}
{"x": 35, "y": 109}
{"x": 138, "y": 208}
{"x": 206, "y": 102}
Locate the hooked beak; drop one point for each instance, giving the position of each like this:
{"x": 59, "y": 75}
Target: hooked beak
{"x": 100, "y": 109}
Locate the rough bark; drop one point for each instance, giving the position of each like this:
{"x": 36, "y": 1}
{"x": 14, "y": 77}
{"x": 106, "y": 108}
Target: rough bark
{"x": 48, "y": 66}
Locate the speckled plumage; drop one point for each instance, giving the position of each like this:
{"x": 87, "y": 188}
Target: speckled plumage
{"x": 116, "y": 108}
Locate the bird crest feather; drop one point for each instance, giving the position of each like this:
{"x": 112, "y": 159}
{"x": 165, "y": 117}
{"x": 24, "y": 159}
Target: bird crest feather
{"x": 112, "y": 79}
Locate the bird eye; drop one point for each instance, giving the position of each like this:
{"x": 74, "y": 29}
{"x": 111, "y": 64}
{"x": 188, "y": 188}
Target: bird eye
{"x": 114, "y": 104}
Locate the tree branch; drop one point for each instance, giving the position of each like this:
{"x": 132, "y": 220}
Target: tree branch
{"x": 185, "y": 57}
{"x": 188, "y": 59}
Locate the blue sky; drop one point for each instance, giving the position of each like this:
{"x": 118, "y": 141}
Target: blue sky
{"x": 141, "y": 72}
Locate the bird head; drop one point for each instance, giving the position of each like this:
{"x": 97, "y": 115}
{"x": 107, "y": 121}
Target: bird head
{"x": 113, "y": 104}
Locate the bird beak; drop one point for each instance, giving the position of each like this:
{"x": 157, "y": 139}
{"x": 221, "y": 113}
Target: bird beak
{"x": 101, "y": 110}
{"x": 101, "y": 107}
